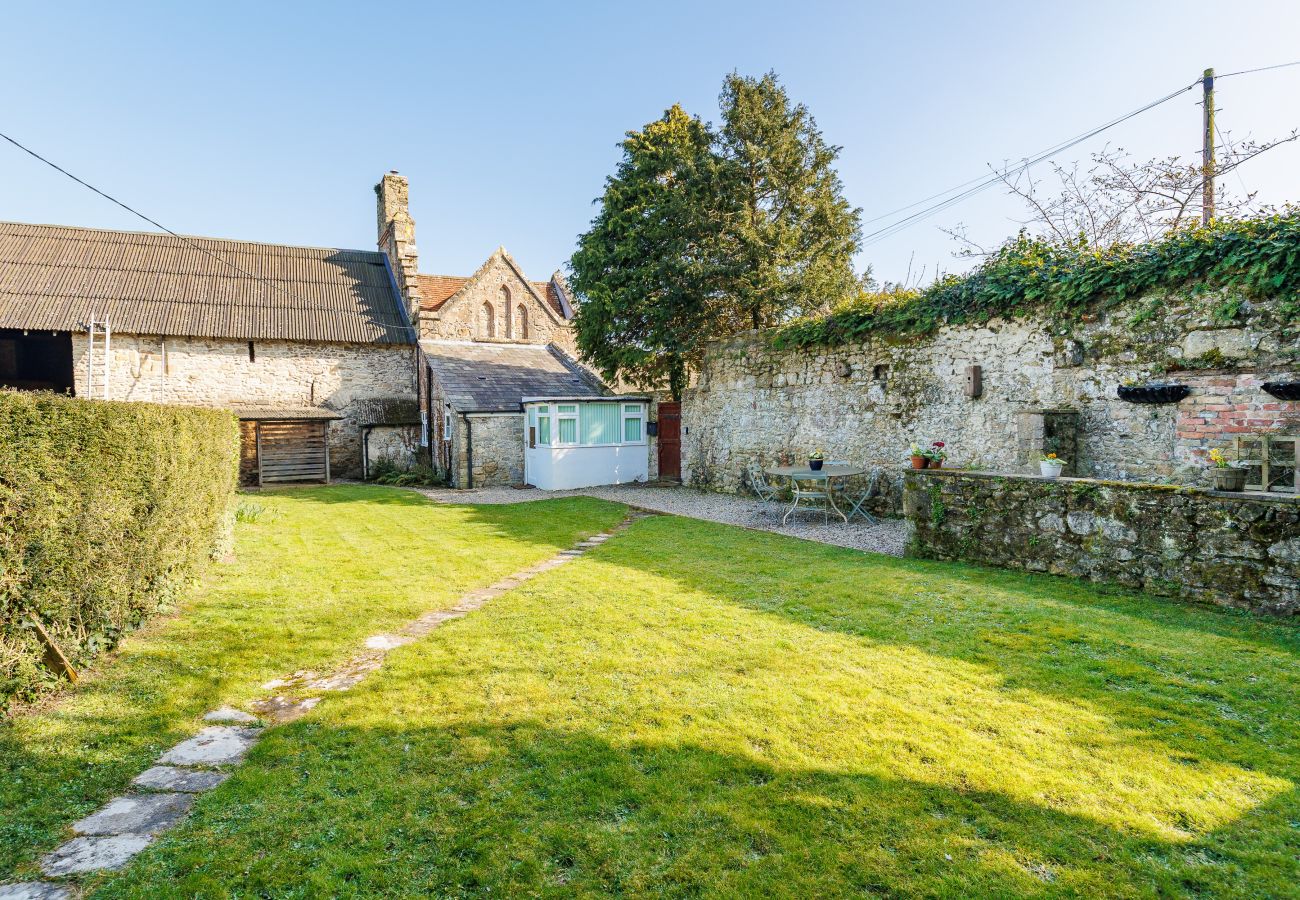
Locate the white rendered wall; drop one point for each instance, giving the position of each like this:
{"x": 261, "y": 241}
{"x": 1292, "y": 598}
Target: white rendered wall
{"x": 565, "y": 468}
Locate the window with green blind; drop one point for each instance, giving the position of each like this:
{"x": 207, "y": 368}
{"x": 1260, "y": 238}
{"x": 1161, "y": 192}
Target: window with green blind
{"x": 566, "y": 423}
{"x": 543, "y": 425}
{"x": 588, "y": 424}
{"x": 599, "y": 423}
{"x": 633, "y": 423}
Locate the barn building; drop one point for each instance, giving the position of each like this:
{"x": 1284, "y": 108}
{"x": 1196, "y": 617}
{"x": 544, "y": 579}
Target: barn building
{"x": 331, "y": 358}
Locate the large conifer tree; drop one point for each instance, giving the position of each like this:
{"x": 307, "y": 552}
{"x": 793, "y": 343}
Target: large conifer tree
{"x": 704, "y": 234}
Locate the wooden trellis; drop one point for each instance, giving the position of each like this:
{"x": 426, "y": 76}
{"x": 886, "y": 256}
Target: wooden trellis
{"x": 1272, "y": 462}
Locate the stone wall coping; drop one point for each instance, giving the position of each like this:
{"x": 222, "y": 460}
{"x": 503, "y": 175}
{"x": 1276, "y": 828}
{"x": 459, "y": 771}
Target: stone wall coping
{"x": 1257, "y": 496}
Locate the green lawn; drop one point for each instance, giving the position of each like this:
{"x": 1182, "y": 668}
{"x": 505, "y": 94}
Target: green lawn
{"x": 316, "y": 572}
{"x": 698, "y": 710}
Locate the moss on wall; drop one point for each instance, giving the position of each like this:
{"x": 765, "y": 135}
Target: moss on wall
{"x": 1189, "y": 543}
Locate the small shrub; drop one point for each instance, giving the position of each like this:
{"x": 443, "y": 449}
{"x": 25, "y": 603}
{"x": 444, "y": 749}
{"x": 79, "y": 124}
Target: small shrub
{"x": 386, "y": 471}
{"x": 248, "y": 511}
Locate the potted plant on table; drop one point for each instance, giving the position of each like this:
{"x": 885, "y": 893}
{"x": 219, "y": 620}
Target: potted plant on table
{"x": 1227, "y": 477}
{"x": 919, "y": 459}
{"x": 816, "y": 459}
{"x": 1050, "y": 465}
{"x": 936, "y": 455}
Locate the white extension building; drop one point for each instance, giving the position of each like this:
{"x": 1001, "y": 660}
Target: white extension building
{"x": 583, "y": 441}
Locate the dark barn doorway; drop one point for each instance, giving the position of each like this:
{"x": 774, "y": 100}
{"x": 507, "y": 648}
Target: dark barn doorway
{"x": 36, "y": 360}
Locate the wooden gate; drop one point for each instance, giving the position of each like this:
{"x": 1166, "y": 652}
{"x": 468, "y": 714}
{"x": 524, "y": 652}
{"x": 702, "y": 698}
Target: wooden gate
{"x": 293, "y": 451}
{"x": 670, "y": 440}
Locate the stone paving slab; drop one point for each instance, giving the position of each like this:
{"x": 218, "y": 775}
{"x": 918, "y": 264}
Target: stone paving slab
{"x": 228, "y": 715}
{"x": 34, "y": 890}
{"x": 137, "y": 814}
{"x": 216, "y": 745}
{"x": 94, "y": 854}
{"x": 186, "y": 781}
{"x": 281, "y": 709}
{"x": 386, "y": 641}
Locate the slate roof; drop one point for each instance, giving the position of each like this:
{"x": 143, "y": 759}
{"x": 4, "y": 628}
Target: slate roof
{"x": 387, "y": 411}
{"x": 284, "y": 413}
{"x": 56, "y": 277}
{"x": 436, "y": 290}
{"x": 496, "y": 377}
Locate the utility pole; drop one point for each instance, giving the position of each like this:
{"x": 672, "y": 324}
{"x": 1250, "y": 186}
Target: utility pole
{"x": 1207, "y": 147}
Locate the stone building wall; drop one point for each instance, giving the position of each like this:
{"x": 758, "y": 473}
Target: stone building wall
{"x": 497, "y": 455}
{"x": 462, "y": 318}
{"x": 867, "y": 402}
{"x": 219, "y": 373}
{"x": 1240, "y": 550}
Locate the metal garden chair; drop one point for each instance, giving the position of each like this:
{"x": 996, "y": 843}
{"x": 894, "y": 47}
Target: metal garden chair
{"x": 815, "y": 491}
{"x": 857, "y": 501}
{"x": 768, "y": 499}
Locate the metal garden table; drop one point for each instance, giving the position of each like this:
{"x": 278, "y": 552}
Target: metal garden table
{"x": 827, "y": 473}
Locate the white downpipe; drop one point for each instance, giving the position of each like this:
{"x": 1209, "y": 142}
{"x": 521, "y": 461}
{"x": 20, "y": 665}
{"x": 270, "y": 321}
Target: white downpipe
{"x": 90, "y": 358}
{"x": 107, "y": 336}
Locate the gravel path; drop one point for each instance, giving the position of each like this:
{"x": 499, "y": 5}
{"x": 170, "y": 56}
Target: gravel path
{"x": 888, "y": 537}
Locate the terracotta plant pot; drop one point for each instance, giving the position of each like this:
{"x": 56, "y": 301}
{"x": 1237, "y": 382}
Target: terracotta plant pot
{"x": 1229, "y": 479}
{"x": 918, "y": 462}
{"x": 816, "y": 464}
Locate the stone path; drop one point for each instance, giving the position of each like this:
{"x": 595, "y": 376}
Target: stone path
{"x": 111, "y": 836}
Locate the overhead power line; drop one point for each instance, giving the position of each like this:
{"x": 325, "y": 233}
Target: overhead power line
{"x": 1261, "y": 69}
{"x": 975, "y": 186}
{"x": 140, "y": 215}
{"x": 190, "y": 243}
{"x": 967, "y": 189}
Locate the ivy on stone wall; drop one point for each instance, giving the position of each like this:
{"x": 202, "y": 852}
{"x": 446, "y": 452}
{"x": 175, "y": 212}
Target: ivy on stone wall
{"x": 1257, "y": 257}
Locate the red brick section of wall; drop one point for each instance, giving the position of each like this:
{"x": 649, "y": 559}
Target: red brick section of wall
{"x": 1224, "y": 407}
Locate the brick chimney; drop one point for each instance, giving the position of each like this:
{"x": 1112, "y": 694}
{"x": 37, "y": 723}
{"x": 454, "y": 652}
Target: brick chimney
{"x": 397, "y": 239}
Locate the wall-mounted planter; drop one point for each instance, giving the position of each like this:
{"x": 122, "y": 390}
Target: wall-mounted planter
{"x": 1153, "y": 393}
{"x": 1283, "y": 390}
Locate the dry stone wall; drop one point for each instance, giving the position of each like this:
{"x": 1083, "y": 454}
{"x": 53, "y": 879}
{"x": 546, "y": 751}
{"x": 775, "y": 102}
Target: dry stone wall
{"x": 866, "y": 402}
{"x": 220, "y": 373}
{"x": 1240, "y": 550}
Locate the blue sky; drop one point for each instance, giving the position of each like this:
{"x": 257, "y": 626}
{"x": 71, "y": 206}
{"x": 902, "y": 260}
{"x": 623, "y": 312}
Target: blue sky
{"x": 272, "y": 121}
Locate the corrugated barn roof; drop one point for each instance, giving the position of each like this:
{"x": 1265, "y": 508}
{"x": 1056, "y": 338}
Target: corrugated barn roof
{"x": 57, "y": 277}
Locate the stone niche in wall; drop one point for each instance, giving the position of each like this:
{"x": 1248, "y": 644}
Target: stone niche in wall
{"x": 1043, "y": 431}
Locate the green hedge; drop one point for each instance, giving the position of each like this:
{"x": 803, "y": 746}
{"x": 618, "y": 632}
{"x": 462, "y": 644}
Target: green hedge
{"x": 106, "y": 511}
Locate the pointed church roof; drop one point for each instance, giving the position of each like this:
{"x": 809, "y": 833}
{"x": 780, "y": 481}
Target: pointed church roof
{"x": 437, "y": 290}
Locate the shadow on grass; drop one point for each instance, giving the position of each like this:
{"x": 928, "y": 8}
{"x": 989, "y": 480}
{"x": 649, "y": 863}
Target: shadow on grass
{"x": 525, "y": 809}
{"x": 1220, "y": 684}
{"x": 318, "y": 570}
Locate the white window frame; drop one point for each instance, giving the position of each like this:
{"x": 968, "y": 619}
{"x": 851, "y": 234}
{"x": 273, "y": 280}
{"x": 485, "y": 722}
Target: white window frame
{"x": 544, "y": 412}
{"x": 638, "y": 411}
{"x": 446, "y": 425}
{"x": 561, "y": 415}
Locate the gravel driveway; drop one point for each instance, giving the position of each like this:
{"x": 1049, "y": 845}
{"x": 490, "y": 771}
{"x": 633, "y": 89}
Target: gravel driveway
{"x": 889, "y": 536}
